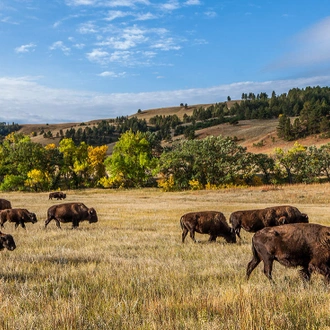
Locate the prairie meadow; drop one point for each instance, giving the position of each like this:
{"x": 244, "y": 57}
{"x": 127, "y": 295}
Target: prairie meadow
{"x": 131, "y": 271}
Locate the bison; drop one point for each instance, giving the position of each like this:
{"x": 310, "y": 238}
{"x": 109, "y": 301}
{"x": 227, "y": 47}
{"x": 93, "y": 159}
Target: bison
{"x": 4, "y": 204}
{"x": 207, "y": 222}
{"x": 254, "y": 220}
{"x": 19, "y": 216}
{"x": 7, "y": 242}
{"x": 304, "y": 245}
{"x": 57, "y": 194}
{"x": 71, "y": 212}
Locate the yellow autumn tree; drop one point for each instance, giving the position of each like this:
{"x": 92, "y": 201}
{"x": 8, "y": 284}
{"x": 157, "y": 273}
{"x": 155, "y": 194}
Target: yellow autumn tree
{"x": 37, "y": 180}
{"x": 96, "y": 157}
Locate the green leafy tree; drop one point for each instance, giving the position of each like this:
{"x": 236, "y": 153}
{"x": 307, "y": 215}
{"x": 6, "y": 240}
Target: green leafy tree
{"x": 292, "y": 161}
{"x": 132, "y": 162}
{"x": 214, "y": 160}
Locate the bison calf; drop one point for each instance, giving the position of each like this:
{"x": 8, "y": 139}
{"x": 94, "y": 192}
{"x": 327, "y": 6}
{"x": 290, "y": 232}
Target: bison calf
{"x": 208, "y": 222}
{"x": 302, "y": 245}
{"x": 57, "y": 194}
{"x": 18, "y": 216}
{"x": 71, "y": 212}
{"x": 7, "y": 242}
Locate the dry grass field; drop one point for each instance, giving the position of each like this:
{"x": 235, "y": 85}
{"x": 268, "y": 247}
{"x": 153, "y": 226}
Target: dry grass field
{"x": 131, "y": 271}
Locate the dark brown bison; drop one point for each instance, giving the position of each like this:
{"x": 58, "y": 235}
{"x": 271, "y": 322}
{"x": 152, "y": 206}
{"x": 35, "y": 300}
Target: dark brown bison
{"x": 304, "y": 245}
{"x": 254, "y": 220}
{"x": 57, "y": 194}
{"x": 207, "y": 222}
{"x": 19, "y": 216}
{"x": 4, "y": 204}
{"x": 70, "y": 212}
{"x": 7, "y": 242}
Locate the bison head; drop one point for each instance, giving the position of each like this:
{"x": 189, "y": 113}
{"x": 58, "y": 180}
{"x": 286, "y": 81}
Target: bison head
{"x": 7, "y": 241}
{"x": 33, "y": 217}
{"x": 231, "y": 237}
{"x": 92, "y": 215}
{"x": 304, "y": 218}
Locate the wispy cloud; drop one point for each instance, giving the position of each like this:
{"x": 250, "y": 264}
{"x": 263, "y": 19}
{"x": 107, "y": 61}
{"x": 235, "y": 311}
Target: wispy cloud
{"x": 192, "y": 2}
{"x": 112, "y": 74}
{"x": 59, "y": 45}
{"x": 106, "y": 3}
{"x": 114, "y": 14}
{"x": 25, "y": 48}
{"x": 309, "y": 48}
{"x": 170, "y": 5}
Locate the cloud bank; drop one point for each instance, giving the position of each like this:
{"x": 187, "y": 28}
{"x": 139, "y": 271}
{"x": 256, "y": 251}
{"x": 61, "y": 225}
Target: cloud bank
{"x": 23, "y": 100}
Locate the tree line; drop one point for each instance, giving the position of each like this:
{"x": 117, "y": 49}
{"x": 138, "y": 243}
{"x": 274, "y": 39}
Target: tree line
{"x": 138, "y": 160}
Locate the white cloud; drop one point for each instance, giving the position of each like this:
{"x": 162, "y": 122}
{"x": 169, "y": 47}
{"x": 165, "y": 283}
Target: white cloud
{"x": 309, "y": 48}
{"x": 145, "y": 17}
{"x": 166, "y": 44}
{"x": 114, "y": 14}
{"x": 107, "y": 3}
{"x": 210, "y": 14}
{"x": 131, "y": 37}
{"x": 98, "y": 56}
{"x": 60, "y": 45}
{"x": 23, "y": 100}
{"x": 192, "y": 2}
{"x": 170, "y": 5}
{"x": 25, "y": 48}
{"x": 112, "y": 74}
{"x": 87, "y": 28}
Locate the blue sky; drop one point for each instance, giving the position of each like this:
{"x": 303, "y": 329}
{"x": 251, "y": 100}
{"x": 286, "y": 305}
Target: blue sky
{"x": 79, "y": 60}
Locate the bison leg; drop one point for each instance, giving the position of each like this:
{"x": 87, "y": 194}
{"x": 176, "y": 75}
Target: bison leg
{"x": 22, "y": 224}
{"x": 268, "y": 268}
{"x": 184, "y": 234}
{"x": 192, "y": 235}
{"x": 305, "y": 274}
{"x": 50, "y": 219}
{"x": 238, "y": 232}
{"x": 75, "y": 224}
{"x": 212, "y": 238}
{"x": 252, "y": 265}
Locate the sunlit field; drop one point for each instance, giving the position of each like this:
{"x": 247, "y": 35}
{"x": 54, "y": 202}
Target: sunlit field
{"x": 131, "y": 271}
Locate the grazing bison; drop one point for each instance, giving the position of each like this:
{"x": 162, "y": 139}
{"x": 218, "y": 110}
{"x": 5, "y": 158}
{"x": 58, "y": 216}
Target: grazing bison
{"x": 7, "y": 242}
{"x": 57, "y": 194}
{"x": 208, "y": 222}
{"x": 4, "y": 204}
{"x": 304, "y": 245}
{"x": 70, "y": 212}
{"x": 254, "y": 220}
{"x": 19, "y": 216}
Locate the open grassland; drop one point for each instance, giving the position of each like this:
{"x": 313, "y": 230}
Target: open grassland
{"x": 131, "y": 271}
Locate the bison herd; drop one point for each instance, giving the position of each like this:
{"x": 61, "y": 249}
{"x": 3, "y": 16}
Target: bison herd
{"x": 282, "y": 233}
{"x": 66, "y": 212}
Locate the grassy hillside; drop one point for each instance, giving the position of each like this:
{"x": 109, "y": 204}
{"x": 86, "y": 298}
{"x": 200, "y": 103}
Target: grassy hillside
{"x": 257, "y": 136}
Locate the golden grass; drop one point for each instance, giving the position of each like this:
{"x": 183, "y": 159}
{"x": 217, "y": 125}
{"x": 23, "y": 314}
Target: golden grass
{"x": 131, "y": 271}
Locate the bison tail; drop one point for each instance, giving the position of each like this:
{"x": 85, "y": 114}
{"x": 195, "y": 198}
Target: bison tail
{"x": 181, "y": 223}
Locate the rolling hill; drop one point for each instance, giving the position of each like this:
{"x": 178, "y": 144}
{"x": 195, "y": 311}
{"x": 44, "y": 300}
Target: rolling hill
{"x": 258, "y": 136}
